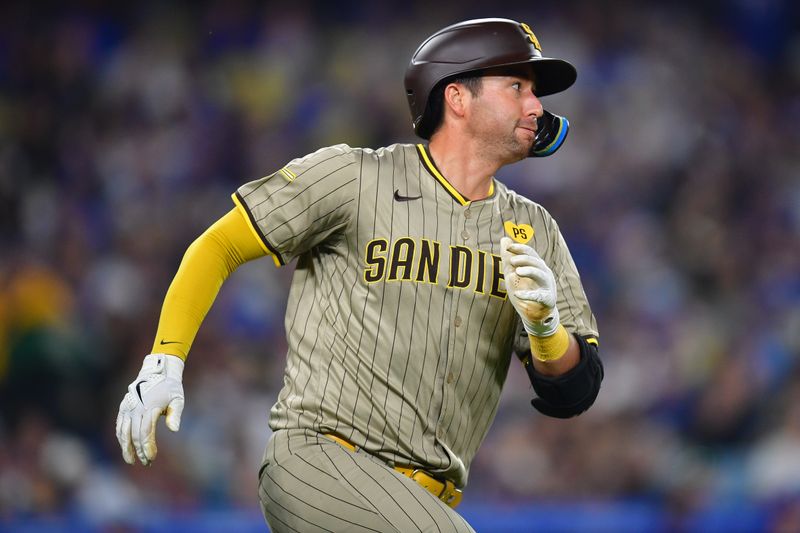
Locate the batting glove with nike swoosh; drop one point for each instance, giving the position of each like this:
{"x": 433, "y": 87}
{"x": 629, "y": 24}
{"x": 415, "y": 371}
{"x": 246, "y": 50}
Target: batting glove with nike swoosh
{"x": 531, "y": 287}
{"x": 157, "y": 390}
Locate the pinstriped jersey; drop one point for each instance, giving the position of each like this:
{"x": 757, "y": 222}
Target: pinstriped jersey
{"x": 399, "y": 330}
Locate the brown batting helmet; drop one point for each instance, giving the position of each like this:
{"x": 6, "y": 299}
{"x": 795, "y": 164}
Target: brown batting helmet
{"x": 475, "y": 45}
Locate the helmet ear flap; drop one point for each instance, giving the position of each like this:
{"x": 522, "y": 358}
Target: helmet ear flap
{"x": 416, "y": 122}
{"x": 551, "y": 132}
{"x": 428, "y": 122}
{"x": 412, "y": 97}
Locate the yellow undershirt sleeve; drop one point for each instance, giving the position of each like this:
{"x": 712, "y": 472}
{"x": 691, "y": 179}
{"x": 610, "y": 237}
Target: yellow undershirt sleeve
{"x": 552, "y": 347}
{"x": 207, "y": 263}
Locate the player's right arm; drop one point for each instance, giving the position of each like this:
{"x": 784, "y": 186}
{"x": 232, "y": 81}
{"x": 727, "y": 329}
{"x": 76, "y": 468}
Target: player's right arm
{"x": 158, "y": 388}
{"x": 283, "y": 215}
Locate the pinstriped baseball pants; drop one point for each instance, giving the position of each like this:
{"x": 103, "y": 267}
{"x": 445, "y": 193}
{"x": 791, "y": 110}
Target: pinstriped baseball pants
{"x": 309, "y": 483}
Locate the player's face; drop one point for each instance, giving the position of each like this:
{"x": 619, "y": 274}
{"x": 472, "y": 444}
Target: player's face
{"x": 503, "y": 115}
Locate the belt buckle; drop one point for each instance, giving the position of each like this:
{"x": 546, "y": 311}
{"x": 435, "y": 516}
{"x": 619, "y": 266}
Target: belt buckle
{"x": 449, "y": 494}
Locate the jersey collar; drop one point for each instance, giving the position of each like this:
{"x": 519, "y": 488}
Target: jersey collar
{"x": 427, "y": 162}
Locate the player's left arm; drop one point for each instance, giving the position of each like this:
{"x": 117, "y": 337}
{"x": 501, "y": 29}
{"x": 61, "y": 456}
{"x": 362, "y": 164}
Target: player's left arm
{"x": 564, "y": 368}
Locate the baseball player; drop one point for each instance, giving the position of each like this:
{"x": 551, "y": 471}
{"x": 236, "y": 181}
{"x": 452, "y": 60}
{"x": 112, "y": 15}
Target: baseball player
{"x": 418, "y": 276}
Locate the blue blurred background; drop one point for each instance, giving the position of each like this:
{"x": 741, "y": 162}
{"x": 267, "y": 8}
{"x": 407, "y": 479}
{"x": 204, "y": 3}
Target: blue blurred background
{"x": 124, "y": 129}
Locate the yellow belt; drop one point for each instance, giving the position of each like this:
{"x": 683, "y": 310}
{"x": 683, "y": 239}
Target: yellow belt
{"x": 444, "y": 490}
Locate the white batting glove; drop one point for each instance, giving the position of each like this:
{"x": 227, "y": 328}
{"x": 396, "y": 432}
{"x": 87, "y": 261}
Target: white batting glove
{"x": 158, "y": 389}
{"x": 531, "y": 287}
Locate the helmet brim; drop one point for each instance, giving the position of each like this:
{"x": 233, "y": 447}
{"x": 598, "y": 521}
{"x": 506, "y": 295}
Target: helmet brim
{"x": 551, "y": 75}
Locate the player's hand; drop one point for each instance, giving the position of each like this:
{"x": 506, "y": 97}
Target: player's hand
{"x": 157, "y": 390}
{"x": 531, "y": 287}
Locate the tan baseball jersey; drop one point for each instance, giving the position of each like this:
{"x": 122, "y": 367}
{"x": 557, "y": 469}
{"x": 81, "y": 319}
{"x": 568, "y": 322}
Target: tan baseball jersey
{"x": 399, "y": 330}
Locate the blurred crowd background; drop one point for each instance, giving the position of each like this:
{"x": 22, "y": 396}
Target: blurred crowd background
{"x": 125, "y": 128}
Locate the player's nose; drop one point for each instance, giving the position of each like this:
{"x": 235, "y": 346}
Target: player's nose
{"x": 533, "y": 106}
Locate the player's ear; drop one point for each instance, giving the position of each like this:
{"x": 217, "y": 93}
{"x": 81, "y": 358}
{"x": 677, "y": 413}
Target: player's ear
{"x": 455, "y": 98}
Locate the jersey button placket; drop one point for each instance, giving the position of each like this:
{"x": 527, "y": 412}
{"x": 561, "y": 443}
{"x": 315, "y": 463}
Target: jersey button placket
{"x": 465, "y": 234}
